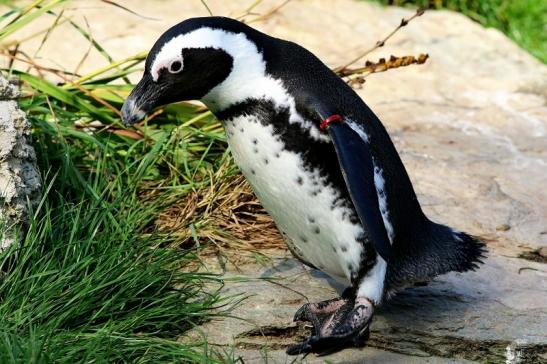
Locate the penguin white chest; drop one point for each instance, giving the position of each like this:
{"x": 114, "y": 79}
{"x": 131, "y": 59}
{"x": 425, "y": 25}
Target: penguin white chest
{"x": 302, "y": 204}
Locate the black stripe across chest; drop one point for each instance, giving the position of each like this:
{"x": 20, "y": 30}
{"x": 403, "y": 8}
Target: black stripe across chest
{"x": 316, "y": 154}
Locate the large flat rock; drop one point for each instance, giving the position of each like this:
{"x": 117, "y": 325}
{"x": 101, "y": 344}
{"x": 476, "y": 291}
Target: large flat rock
{"x": 471, "y": 126}
{"x": 476, "y": 316}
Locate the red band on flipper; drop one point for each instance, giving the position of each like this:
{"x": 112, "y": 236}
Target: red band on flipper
{"x": 330, "y": 119}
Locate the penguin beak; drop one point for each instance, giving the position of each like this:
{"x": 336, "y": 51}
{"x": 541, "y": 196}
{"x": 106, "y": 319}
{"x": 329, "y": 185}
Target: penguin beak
{"x": 144, "y": 97}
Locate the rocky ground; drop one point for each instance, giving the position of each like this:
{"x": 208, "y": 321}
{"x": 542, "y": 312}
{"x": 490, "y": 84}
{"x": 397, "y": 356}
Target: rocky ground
{"x": 471, "y": 127}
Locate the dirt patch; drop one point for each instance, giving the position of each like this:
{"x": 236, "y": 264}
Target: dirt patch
{"x": 276, "y": 337}
{"x": 538, "y": 255}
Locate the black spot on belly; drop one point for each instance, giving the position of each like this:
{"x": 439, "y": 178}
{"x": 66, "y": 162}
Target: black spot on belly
{"x": 241, "y": 130}
{"x": 317, "y": 155}
{"x": 316, "y": 230}
{"x": 344, "y": 248}
{"x": 266, "y": 161}
{"x": 255, "y": 150}
{"x": 311, "y": 219}
{"x": 277, "y": 155}
{"x": 353, "y": 274}
{"x": 253, "y": 171}
{"x": 300, "y": 181}
{"x": 303, "y": 239}
{"x": 255, "y": 142}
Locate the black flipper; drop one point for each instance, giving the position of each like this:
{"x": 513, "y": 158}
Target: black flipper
{"x": 421, "y": 249}
{"x": 357, "y": 165}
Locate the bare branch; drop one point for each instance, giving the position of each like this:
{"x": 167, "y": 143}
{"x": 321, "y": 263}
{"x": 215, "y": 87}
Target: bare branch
{"x": 356, "y": 76}
{"x": 381, "y": 43}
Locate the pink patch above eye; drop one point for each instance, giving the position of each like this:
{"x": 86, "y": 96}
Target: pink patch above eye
{"x": 158, "y": 66}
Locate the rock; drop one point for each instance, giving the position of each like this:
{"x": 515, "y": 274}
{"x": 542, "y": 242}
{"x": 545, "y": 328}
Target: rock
{"x": 19, "y": 177}
{"x": 474, "y": 316}
{"x": 8, "y": 89}
{"x": 503, "y": 227}
{"x": 470, "y": 125}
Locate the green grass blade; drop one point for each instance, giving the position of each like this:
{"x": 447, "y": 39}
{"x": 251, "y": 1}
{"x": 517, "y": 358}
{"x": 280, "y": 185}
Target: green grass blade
{"x": 28, "y": 18}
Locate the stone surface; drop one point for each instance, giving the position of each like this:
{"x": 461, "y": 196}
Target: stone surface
{"x": 466, "y": 317}
{"x": 471, "y": 127}
{"x": 8, "y": 90}
{"x": 19, "y": 177}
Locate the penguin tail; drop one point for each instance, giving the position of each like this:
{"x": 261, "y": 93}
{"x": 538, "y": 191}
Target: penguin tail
{"x": 433, "y": 250}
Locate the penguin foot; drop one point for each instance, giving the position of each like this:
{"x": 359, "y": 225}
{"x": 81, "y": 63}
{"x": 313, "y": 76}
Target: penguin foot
{"x": 337, "y": 323}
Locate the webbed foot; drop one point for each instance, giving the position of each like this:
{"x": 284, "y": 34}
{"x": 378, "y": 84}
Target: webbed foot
{"x": 337, "y": 323}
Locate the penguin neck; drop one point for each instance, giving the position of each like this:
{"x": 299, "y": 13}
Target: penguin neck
{"x": 231, "y": 98}
{"x": 237, "y": 89}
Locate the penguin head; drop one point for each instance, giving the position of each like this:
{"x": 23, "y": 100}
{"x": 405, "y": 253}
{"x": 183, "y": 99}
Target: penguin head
{"x": 212, "y": 59}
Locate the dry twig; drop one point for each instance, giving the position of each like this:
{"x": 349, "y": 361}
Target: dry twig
{"x": 381, "y": 43}
{"x": 260, "y": 17}
{"x": 356, "y": 76}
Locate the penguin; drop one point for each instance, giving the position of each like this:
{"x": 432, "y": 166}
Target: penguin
{"x": 317, "y": 158}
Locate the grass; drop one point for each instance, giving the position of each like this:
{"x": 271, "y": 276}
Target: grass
{"x": 95, "y": 279}
{"x": 524, "y": 21}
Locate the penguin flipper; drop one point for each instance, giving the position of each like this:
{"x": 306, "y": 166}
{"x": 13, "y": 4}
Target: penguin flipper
{"x": 357, "y": 165}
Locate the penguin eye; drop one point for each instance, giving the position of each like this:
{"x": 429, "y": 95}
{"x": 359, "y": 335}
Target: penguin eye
{"x": 175, "y": 66}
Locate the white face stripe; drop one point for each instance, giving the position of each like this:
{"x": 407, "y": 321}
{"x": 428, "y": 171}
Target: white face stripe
{"x": 248, "y": 61}
{"x": 248, "y": 78}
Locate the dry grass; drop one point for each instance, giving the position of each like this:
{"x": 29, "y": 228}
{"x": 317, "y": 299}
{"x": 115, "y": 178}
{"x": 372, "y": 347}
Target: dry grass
{"x": 227, "y": 215}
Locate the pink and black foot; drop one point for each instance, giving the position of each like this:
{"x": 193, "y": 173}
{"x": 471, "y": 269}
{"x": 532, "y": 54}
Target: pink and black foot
{"x": 337, "y": 323}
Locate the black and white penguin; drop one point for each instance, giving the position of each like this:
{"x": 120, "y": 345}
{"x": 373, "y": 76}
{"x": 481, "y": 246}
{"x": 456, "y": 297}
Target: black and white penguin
{"x": 319, "y": 161}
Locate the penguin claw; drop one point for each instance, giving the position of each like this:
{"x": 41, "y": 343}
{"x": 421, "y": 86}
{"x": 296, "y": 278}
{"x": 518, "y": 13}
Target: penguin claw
{"x": 337, "y": 323}
{"x": 297, "y": 349}
{"x": 302, "y": 313}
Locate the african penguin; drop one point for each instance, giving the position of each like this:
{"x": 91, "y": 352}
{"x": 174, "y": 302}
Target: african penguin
{"x": 317, "y": 158}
